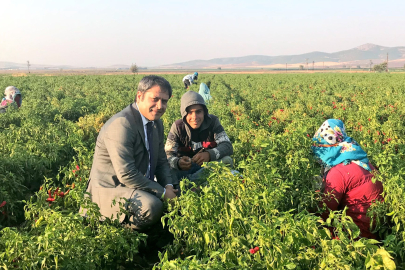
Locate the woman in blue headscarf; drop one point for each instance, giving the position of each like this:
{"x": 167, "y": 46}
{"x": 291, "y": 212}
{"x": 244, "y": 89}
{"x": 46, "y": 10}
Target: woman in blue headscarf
{"x": 205, "y": 92}
{"x": 347, "y": 174}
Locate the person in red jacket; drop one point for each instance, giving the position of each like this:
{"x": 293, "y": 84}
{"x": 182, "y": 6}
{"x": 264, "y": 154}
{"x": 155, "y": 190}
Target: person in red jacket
{"x": 347, "y": 174}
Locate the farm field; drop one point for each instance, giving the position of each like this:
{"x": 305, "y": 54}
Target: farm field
{"x": 46, "y": 152}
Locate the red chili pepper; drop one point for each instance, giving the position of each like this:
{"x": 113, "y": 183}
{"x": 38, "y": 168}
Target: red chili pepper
{"x": 77, "y": 167}
{"x": 3, "y": 204}
{"x": 252, "y": 251}
{"x": 50, "y": 199}
{"x": 256, "y": 249}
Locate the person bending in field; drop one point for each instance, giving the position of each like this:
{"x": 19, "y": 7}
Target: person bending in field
{"x": 196, "y": 138}
{"x": 347, "y": 174}
{"x": 189, "y": 79}
{"x": 205, "y": 92}
{"x": 12, "y": 95}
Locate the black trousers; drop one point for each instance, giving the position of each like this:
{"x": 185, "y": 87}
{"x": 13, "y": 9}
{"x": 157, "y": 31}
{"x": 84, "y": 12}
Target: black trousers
{"x": 186, "y": 83}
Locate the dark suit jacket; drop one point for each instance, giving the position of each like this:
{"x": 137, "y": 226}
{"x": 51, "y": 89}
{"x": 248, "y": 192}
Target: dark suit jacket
{"x": 121, "y": 161}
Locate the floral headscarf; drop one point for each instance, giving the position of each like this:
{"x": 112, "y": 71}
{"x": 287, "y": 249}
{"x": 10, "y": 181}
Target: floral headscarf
{"x": 333, "y": 146}
{"x": 11, "y": 92}
{"x": 10, "y": 95}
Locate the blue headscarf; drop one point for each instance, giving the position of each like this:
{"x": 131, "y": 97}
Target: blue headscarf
{"x": 205, "y": 92}
{"x": 333, "y": 146}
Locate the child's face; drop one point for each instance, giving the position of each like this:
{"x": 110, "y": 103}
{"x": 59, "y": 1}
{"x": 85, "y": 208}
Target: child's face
{"x": 195, "y": 116}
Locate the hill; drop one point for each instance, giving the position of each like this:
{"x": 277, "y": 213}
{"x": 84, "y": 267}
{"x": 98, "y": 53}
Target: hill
{"x": 360, "y": 55}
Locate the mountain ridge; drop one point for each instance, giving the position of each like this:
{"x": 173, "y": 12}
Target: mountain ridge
{"x": 360, "y": 55}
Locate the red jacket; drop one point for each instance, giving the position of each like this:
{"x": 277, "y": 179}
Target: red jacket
{"x": 352, "y": 187}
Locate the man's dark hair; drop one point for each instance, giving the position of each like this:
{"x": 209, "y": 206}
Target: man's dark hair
{"x": 150, "y": 81}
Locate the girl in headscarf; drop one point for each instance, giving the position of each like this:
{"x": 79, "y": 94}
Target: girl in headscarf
{"x": 205, "y": 92}
{"x": 11, "y": 94}
{"x": 347, "y": 174}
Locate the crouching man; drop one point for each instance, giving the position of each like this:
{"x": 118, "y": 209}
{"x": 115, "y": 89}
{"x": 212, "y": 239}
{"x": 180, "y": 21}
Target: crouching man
{"x": 196, "y": 138}
{"x": 129, "y": 154}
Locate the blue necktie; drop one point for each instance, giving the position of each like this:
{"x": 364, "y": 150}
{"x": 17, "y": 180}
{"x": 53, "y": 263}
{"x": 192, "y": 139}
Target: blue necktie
{"x": 149, "y": 133}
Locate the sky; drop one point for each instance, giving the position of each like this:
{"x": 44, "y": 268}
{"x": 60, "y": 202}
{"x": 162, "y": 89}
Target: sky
{"x": 90, "y": 33}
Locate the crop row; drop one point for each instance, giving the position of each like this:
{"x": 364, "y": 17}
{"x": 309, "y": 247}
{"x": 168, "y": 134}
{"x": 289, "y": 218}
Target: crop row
{"x": 46, "y": 154}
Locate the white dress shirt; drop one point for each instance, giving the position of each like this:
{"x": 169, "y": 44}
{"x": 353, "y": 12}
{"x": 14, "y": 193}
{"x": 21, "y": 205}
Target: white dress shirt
{"x": 144, "y": 122}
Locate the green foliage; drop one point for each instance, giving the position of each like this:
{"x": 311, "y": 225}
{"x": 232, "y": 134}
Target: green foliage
{"x": 133, "y": 68}
{"x": 381, "y": 67}
{"x": 48, "y": 144}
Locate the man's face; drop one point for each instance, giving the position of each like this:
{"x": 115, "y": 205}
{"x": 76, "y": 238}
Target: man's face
{"x": 153, "y": 103}
{"x": 195, "y": 116}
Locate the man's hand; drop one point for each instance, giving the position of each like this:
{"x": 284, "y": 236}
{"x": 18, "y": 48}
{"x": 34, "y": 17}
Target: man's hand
{"x": 170, "y": 193}
{"x": 200, "y": 158}
{"x": 184, "y": 163}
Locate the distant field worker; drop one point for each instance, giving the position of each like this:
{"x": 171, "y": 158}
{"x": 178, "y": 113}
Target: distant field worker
{"x": 205, "y": 92}
{"x": 189, "y": 79}
{"x": 11, "y": 95}
{"x": 347, "y": 174}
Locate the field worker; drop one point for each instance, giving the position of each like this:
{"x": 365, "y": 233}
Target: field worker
{"x": 189, "y": 79}
{"x": 347, "y": 174}
{"x": 205, "y": 92}
{"x": 196, "y": 138}
{"x": 129, "y": 154}
{"x": 11, "y": 95}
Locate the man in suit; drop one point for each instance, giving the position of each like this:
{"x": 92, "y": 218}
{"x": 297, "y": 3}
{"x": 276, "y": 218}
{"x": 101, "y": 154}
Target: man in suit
{"x": 129, "y": 154}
